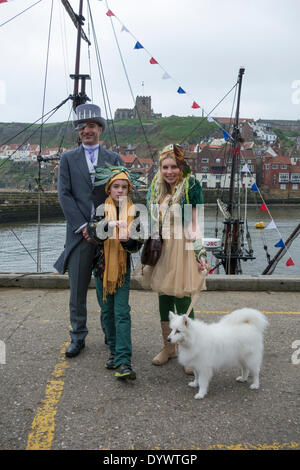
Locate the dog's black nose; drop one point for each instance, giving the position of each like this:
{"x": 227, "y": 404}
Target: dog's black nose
{"x": 168, "y": 339}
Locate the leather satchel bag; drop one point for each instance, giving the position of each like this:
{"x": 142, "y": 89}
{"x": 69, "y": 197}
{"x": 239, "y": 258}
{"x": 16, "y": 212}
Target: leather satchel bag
{"x": 153, "y": 245}
{"x": 152, "y": 250}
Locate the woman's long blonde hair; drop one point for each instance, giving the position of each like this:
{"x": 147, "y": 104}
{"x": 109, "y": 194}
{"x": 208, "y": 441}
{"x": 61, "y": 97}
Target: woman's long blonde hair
{"x": 160, "y": 188}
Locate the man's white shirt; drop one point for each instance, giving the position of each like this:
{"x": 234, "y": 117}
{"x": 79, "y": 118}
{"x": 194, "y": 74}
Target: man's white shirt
{"x": 91, "y": 167}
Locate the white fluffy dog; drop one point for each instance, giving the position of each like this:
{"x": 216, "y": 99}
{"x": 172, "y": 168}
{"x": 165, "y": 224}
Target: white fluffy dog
{"x": 236, "y": 340}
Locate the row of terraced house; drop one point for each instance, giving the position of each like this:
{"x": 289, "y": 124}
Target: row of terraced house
{"x": 210, "y": 161}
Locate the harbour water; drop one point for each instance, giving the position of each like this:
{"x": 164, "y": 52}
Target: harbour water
{"x": 18, "y": 242}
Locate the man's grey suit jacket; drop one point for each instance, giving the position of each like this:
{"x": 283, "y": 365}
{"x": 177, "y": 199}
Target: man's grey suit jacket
{"x": 76, "y": 195}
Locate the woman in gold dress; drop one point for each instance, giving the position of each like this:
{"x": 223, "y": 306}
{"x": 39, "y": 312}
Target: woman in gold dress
{"x": 175, "y": 202}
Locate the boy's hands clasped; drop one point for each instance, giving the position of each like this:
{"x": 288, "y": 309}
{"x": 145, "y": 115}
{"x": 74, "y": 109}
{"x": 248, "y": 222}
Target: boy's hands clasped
{"x": 123, "y": 229}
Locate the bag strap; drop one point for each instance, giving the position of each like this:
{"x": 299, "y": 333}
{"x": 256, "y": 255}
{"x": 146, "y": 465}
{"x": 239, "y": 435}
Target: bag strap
{"x": 160, "y": 227}
{"x": 191, "y": 306}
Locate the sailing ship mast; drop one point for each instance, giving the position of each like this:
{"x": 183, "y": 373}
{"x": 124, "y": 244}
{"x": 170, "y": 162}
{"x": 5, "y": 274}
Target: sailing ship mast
{"x": 233, "y": 249}
{"x": 78, "y": 97}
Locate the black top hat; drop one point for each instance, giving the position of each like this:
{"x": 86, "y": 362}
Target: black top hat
{"x": 88, "y": 113}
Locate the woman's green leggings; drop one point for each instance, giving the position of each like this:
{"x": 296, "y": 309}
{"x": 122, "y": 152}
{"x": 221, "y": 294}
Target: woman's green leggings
{"x": 168, "y": 302}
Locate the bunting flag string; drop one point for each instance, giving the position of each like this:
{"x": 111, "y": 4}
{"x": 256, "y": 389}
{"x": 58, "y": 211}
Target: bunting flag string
{"x": 290, "y": 262}
{"x": 227, "y": 136}
{"x": 166, "y": 76}
{"x": 271, "y": 225}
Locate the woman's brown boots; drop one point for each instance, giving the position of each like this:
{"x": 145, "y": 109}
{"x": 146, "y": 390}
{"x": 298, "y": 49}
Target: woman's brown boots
{"x": 169, "y": 350}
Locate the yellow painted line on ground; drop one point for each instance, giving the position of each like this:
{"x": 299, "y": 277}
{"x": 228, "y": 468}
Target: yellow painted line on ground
{"x": 224, "y": 312}
{"x": 43, "y": 424}
{"x": 274, "y": 446}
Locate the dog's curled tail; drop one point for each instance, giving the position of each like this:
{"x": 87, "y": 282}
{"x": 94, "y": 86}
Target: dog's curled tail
{"x": 247, "y": 315}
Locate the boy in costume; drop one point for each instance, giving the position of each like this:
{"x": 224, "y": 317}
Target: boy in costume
{"x": 118, "y": 236}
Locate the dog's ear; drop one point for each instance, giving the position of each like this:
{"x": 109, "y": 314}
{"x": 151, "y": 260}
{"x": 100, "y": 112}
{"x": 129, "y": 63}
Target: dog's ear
{"x": 171, "y": 315}
{"x": 186, "y": 320}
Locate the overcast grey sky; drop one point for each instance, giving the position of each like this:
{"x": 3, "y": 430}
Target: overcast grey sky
{"x": 200, "y": 43}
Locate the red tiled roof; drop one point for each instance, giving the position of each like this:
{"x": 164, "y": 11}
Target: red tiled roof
{"x": 128, "y": 158}
{"x": 285, "y": 159}
{"x": 144, "y": 161}
{"x": 226, "y": 120}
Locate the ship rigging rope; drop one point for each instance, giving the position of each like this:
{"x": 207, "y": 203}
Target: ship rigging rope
{"x": 105, "y": 96}
{"x": 130, "y": 87}
{"x": 46, "y": 73}
{"x": 21, "y": 12}
{"x": 89, "y": 60}
{"x": 51, "y": 113}
{"x": 64, "y": 46}
{"x": 208, "y": 115}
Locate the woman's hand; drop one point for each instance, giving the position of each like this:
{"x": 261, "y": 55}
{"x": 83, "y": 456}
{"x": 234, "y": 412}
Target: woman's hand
{"x": 203, "y": 265}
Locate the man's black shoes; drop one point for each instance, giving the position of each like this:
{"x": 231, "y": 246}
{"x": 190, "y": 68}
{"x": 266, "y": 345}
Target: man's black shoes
{"x": 75, "y": 348}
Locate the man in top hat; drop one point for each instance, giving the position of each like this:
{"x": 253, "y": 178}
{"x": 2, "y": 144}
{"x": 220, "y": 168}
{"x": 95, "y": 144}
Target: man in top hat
{"x": 79, "y": 199}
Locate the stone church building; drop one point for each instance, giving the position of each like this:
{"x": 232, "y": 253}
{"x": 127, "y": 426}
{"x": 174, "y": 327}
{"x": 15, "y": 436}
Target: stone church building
{"x": 142, "y": 109}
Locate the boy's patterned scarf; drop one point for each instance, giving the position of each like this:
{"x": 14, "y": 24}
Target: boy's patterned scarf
{"x": 114, "y": 254}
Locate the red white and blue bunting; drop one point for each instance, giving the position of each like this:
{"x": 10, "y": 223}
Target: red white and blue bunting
{"x": 272, "y": 225}
{"x": 138, "y": 45}
{"x": 227, "y": 136}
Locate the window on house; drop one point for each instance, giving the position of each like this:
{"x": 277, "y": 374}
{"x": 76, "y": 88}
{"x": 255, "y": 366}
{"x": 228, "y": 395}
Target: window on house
{"x": 295, "y": 177}
{"x": 274, "y": 167}
{"x": 283, "y": 186}
{"x": 283, "y": 177}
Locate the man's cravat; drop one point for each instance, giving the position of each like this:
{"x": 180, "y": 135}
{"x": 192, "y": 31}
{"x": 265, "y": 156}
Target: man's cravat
{"x": 92, "y": 155}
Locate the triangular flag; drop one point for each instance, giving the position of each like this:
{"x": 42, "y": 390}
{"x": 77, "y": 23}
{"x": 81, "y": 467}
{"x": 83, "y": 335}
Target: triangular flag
{"x": 271, "y": 225}
{"x": 109, "y": 13}
{"x": 180, "y": 91}
{"x": 124, "y": 29}
{"x": 226, "y": 135}
{"x": 138, "y": 45}
{"x": 245, "y": 169}
{"x": 254, "y": 187}
{"x": 165, "y": 76}
{"x": 153, "y": 61}
{"x": 280, "y": 244}
{"x": 290, "y": 262}
{"x": 195, "y": 105}
{"x": 263, "y": 207}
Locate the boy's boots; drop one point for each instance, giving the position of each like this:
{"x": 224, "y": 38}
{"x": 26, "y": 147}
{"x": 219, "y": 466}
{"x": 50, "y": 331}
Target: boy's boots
{"x": 169, "y": 349}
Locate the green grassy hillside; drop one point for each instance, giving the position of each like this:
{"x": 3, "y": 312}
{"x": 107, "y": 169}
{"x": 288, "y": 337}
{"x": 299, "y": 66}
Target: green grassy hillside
{"x": 153, "y": 132}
